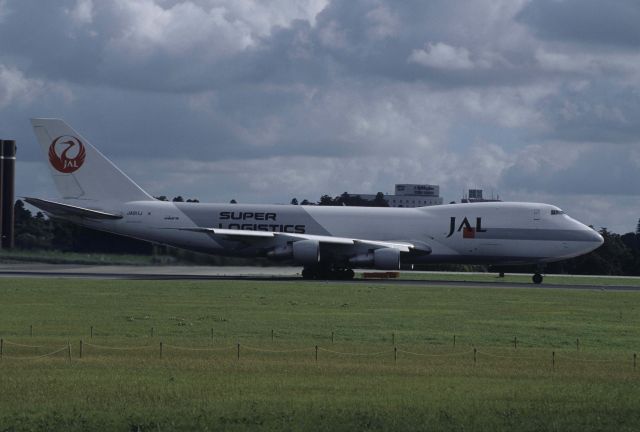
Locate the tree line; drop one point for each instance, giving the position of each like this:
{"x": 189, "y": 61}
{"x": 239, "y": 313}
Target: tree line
{"x": 620, "y": 254}
{"x": 347, "y": 199}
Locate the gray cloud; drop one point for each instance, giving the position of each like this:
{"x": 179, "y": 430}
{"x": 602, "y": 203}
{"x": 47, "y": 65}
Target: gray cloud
{"x": 535, "y": 100}
{"x": 585, "y": 21}
{"x": 586, "y": 170}
{"x": 599, "y": 111}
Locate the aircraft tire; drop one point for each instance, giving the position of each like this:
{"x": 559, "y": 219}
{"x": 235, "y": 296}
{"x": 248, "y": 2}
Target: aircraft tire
{"x": 537, "y": 278}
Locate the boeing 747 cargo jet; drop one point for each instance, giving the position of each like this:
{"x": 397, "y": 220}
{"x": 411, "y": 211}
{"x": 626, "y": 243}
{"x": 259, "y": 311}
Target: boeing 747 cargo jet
{"x": 329, "y": 242}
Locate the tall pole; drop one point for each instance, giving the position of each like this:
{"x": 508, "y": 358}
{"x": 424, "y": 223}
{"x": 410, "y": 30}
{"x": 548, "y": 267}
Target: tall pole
{"x": 8, "y": 192}
{"x": 1, "y": 191}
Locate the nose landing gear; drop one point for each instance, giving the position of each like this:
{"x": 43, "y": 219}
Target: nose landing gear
{"x": 537, "y": 277}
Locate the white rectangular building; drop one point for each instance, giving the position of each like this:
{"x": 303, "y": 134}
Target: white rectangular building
{"x": 410, "y": 195}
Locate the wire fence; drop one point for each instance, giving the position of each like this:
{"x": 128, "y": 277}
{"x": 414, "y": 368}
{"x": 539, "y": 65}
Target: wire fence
{"x": 15, "y": 351}
{"x": 64, "y": 349}
{"x": 554, "y": 357}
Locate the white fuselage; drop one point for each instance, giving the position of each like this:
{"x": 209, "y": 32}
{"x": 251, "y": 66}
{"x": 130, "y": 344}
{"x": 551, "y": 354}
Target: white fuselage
{"x": 96, "y": 194}
{"x": 489, "y": 233}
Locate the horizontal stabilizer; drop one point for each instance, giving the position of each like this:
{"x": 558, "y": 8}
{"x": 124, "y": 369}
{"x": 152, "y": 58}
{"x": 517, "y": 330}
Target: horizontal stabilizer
{"x": 59, "y": 209}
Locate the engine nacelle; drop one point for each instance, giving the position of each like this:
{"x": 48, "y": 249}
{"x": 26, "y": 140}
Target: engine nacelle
{"x": 281, "y": 252}
{"x": 383, "y": 259}
{"x": 306, "y": 252}
{"x": 386, "y": 259}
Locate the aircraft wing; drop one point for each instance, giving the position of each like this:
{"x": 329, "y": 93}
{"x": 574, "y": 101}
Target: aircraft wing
{"x": 248, "y": 236}
{"x": 59, "y": 209}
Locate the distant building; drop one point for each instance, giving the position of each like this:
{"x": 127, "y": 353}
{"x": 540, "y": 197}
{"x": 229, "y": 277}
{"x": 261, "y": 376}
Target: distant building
{"x": 475, "y": 195}
{"x": 415, "y": 195}
{"x": 638, "y": 227}
{"x": 410, "y": 195}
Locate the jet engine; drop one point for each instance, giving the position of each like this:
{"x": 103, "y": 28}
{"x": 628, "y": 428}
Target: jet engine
{"x": 305, "y": 252}
{"x": 383, "y": 259}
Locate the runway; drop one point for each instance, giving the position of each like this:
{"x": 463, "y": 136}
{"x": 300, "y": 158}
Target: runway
{"x": 281, "y": 274}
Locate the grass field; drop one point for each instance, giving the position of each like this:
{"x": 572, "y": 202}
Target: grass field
{"x": 58, "y": 257}
{"x": 523, "y": 278}
{"x": 278, "y": 385}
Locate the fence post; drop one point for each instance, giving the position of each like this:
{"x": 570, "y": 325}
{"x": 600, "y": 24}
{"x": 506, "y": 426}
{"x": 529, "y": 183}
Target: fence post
{"x": 160, "y": 349}
{"x": 515, "y": 342}
{"x": 475, "y": 356}
{"x": 80, "y": 348}
{"x": 395, "y": 354}
{"x": 577, "y": 344}
{"x": 271, "y": 335}
{"x": 238, "y": 350}
{"x": 69, "y": 350}
{"x": 316, "y": 353}
{"x": 553, "y": 359}
{"x": 393, "y": 338}
{"x": 454, "y": 340}
{"x": 91, "y": 332}
{"x": 151, "y": 331}
{"x": 331, "y": 337}
{"x": 211, "y": 335}
{"x": 2, "y": 348}
{"x": 31, "y": 330}
{"x": 634, "y": 357}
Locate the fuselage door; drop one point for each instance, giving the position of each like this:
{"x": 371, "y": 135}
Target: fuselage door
{"x": 536, "y": 214}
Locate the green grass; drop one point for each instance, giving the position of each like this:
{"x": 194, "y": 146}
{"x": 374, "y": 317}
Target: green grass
{"x": 523, "y": 278}
{"x": 441, "y": 389}
{"x": 58, "y": 257}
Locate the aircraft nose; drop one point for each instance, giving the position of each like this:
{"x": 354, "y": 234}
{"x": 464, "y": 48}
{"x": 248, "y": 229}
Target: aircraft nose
{"x": 593, "y": 239}
{"x": 597, "y": 238}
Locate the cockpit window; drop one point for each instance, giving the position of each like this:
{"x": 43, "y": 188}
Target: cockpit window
{"x": 557, "y": 212}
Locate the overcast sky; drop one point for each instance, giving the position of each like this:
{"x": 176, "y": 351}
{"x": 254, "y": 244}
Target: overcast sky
{"x": 263, "y": 101}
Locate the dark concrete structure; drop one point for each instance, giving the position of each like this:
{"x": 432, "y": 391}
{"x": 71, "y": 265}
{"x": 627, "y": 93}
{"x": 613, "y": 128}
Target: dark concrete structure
{"x": 1, "y": 192}
{"x": 7, "y": 188}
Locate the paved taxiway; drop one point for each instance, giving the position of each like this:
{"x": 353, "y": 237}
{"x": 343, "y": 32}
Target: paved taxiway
{"x": 284, "y": 274}
{"x": 143, "y": 272}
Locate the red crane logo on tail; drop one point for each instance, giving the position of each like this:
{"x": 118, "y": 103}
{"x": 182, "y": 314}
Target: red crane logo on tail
{"x": 70, "y": 158}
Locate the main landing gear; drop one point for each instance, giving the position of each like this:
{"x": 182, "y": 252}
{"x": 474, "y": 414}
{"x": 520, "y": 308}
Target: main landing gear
{"x": 326, "y": 273}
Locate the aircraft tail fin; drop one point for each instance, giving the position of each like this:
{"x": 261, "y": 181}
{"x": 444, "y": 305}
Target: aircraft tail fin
{"x": 79, "y": 170}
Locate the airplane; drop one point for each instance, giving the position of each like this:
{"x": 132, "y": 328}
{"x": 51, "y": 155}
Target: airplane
{"x": 328, "y": 242}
